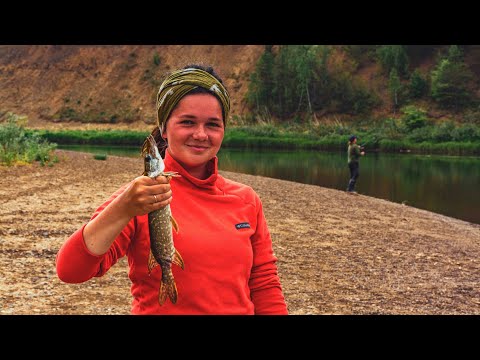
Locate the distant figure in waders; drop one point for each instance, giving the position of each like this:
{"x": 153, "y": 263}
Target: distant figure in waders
{"x": 354, "y": 153}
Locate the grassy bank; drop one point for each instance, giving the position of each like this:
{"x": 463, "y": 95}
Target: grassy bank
{"x": 274, "y": 137}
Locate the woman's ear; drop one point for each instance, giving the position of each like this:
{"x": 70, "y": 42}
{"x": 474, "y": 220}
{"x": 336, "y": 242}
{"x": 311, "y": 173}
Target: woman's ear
{"x": 164, "y": 135}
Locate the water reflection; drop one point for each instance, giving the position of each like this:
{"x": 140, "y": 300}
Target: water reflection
{"x": 446, "y": 185}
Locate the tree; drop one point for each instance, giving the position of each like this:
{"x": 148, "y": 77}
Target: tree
{"x": 262, "y": 80}
{"x": 394, "y": 87}
{"x": 394, "y": 57}
{"x": 455, "y": 54}
{"x": 294, "y": 71}
{"x": 302, "y": 62}
{"x": 283, "y": 84}
{"x": 418, "y": 85}
{"x": 450, "y": 81}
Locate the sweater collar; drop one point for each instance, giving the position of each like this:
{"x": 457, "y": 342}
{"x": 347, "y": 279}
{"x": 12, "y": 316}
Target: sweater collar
{"x": 212, "y": 167}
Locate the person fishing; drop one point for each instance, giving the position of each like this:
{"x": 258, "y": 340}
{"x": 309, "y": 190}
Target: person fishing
{"x": 354, "y": 152}
{"x": 219, "y": 258}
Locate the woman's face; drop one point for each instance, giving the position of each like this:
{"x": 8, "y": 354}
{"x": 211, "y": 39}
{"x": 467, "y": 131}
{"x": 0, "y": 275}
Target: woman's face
{"x": 195, "y": 132}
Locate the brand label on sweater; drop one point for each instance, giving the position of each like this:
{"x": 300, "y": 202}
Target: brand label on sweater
{"x": 244, "y": 225}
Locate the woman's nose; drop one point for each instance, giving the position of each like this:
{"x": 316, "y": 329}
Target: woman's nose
{"x": 200, "y": 133}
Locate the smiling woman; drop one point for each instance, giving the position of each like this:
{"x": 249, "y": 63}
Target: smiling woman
{"x": 195, "y": 132}
{"x": 222, "y": 234}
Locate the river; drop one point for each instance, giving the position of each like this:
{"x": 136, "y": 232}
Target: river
{"x": 448, "y": 185}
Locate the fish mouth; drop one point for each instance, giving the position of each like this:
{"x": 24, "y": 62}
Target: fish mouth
{"x": 149, "y": 147}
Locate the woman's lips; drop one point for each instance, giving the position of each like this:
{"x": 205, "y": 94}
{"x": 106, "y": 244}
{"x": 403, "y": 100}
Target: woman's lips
{"x": 197, "y": 148}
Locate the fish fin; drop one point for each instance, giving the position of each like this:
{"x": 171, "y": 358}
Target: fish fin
{"x": 151, "y": 262}
{"x": 177, "y": 259}
{"x": 174, "y": 223}
{"x": 170, "y": 174}
{"x": 167, "y": 289}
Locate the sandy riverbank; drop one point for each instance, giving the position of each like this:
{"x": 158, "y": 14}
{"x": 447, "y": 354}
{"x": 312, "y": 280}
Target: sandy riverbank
{"x": 338, "y": 253}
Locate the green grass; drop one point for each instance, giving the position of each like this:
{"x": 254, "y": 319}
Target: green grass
{"x": 93, "y": 137}
{"x": 293, "y": 136}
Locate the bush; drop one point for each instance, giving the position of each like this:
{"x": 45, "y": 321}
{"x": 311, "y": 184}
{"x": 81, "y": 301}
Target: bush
{"x": 100, "y": 156}
{"x": 443, "y": 133}
{"x": 466, "y": 133}
{"x": 420, "y": 134}
{"x": 413, "y": 118}
{"x": 18, "y": 146}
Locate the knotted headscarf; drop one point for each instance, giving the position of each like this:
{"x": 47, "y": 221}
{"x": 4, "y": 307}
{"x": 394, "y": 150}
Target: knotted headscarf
{"x": 179, "y": 83}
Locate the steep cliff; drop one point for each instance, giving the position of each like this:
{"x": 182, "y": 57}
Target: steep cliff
{"x": 114, "y": 83}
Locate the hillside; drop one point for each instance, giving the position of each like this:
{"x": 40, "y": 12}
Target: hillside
{"x": 118, "y": 83}
{"x": 72, "y": 85}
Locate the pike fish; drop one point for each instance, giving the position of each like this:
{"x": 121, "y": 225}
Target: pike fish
{"x": 160, "y": 223}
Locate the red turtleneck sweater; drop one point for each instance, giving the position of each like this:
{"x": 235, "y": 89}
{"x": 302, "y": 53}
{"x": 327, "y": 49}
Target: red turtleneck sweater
{"x": 223, "y": 239}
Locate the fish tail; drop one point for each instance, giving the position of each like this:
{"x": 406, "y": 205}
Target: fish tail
{"x": 168, "y": 288}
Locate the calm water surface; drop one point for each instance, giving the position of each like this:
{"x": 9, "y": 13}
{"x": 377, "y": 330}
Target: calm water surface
{"x": 443, "y": 184}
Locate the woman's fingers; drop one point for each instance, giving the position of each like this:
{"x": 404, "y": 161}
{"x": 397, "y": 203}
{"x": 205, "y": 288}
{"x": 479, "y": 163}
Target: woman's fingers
{"x": 161, "y": 204}
{"x": 159, "y": 197}
{"x": 146, "y": 194}
{"x": 145, "y": 180}
{"x": 158, "y": 189}
{"x": 162, "y": 179}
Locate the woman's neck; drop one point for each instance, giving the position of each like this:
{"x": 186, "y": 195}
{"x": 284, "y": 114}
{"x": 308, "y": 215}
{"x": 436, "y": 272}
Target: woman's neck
{"x": 199, "y": 172}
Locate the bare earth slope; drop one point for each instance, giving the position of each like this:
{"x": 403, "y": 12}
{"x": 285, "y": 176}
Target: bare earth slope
{"x": 114, "y": 83}
{"x": 376, "y": 257}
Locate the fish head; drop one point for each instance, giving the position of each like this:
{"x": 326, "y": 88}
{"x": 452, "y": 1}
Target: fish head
{"x": 152, "y": 159}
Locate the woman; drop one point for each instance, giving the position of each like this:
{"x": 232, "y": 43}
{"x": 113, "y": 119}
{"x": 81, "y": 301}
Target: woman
{"x": 228, "y": 261}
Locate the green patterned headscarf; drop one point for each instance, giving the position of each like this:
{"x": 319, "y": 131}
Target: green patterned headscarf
{"x": 179, "y": 83}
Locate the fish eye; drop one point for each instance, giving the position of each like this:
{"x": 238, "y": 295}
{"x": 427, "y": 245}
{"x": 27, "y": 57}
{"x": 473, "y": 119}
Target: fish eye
{"x": 148, "y": 157}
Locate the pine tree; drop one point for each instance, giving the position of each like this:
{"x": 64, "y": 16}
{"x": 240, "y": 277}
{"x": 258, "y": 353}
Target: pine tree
{"x": 418, "y": 85}
{"x": 451, "y": 79}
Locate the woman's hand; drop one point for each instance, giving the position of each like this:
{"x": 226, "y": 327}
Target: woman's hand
{"x": 145, "y": 195}
{"x": 142, "y": 195}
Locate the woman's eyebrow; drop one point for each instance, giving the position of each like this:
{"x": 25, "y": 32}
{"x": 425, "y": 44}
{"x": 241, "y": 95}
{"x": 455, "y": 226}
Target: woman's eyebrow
{"x": 189, "y": 116}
